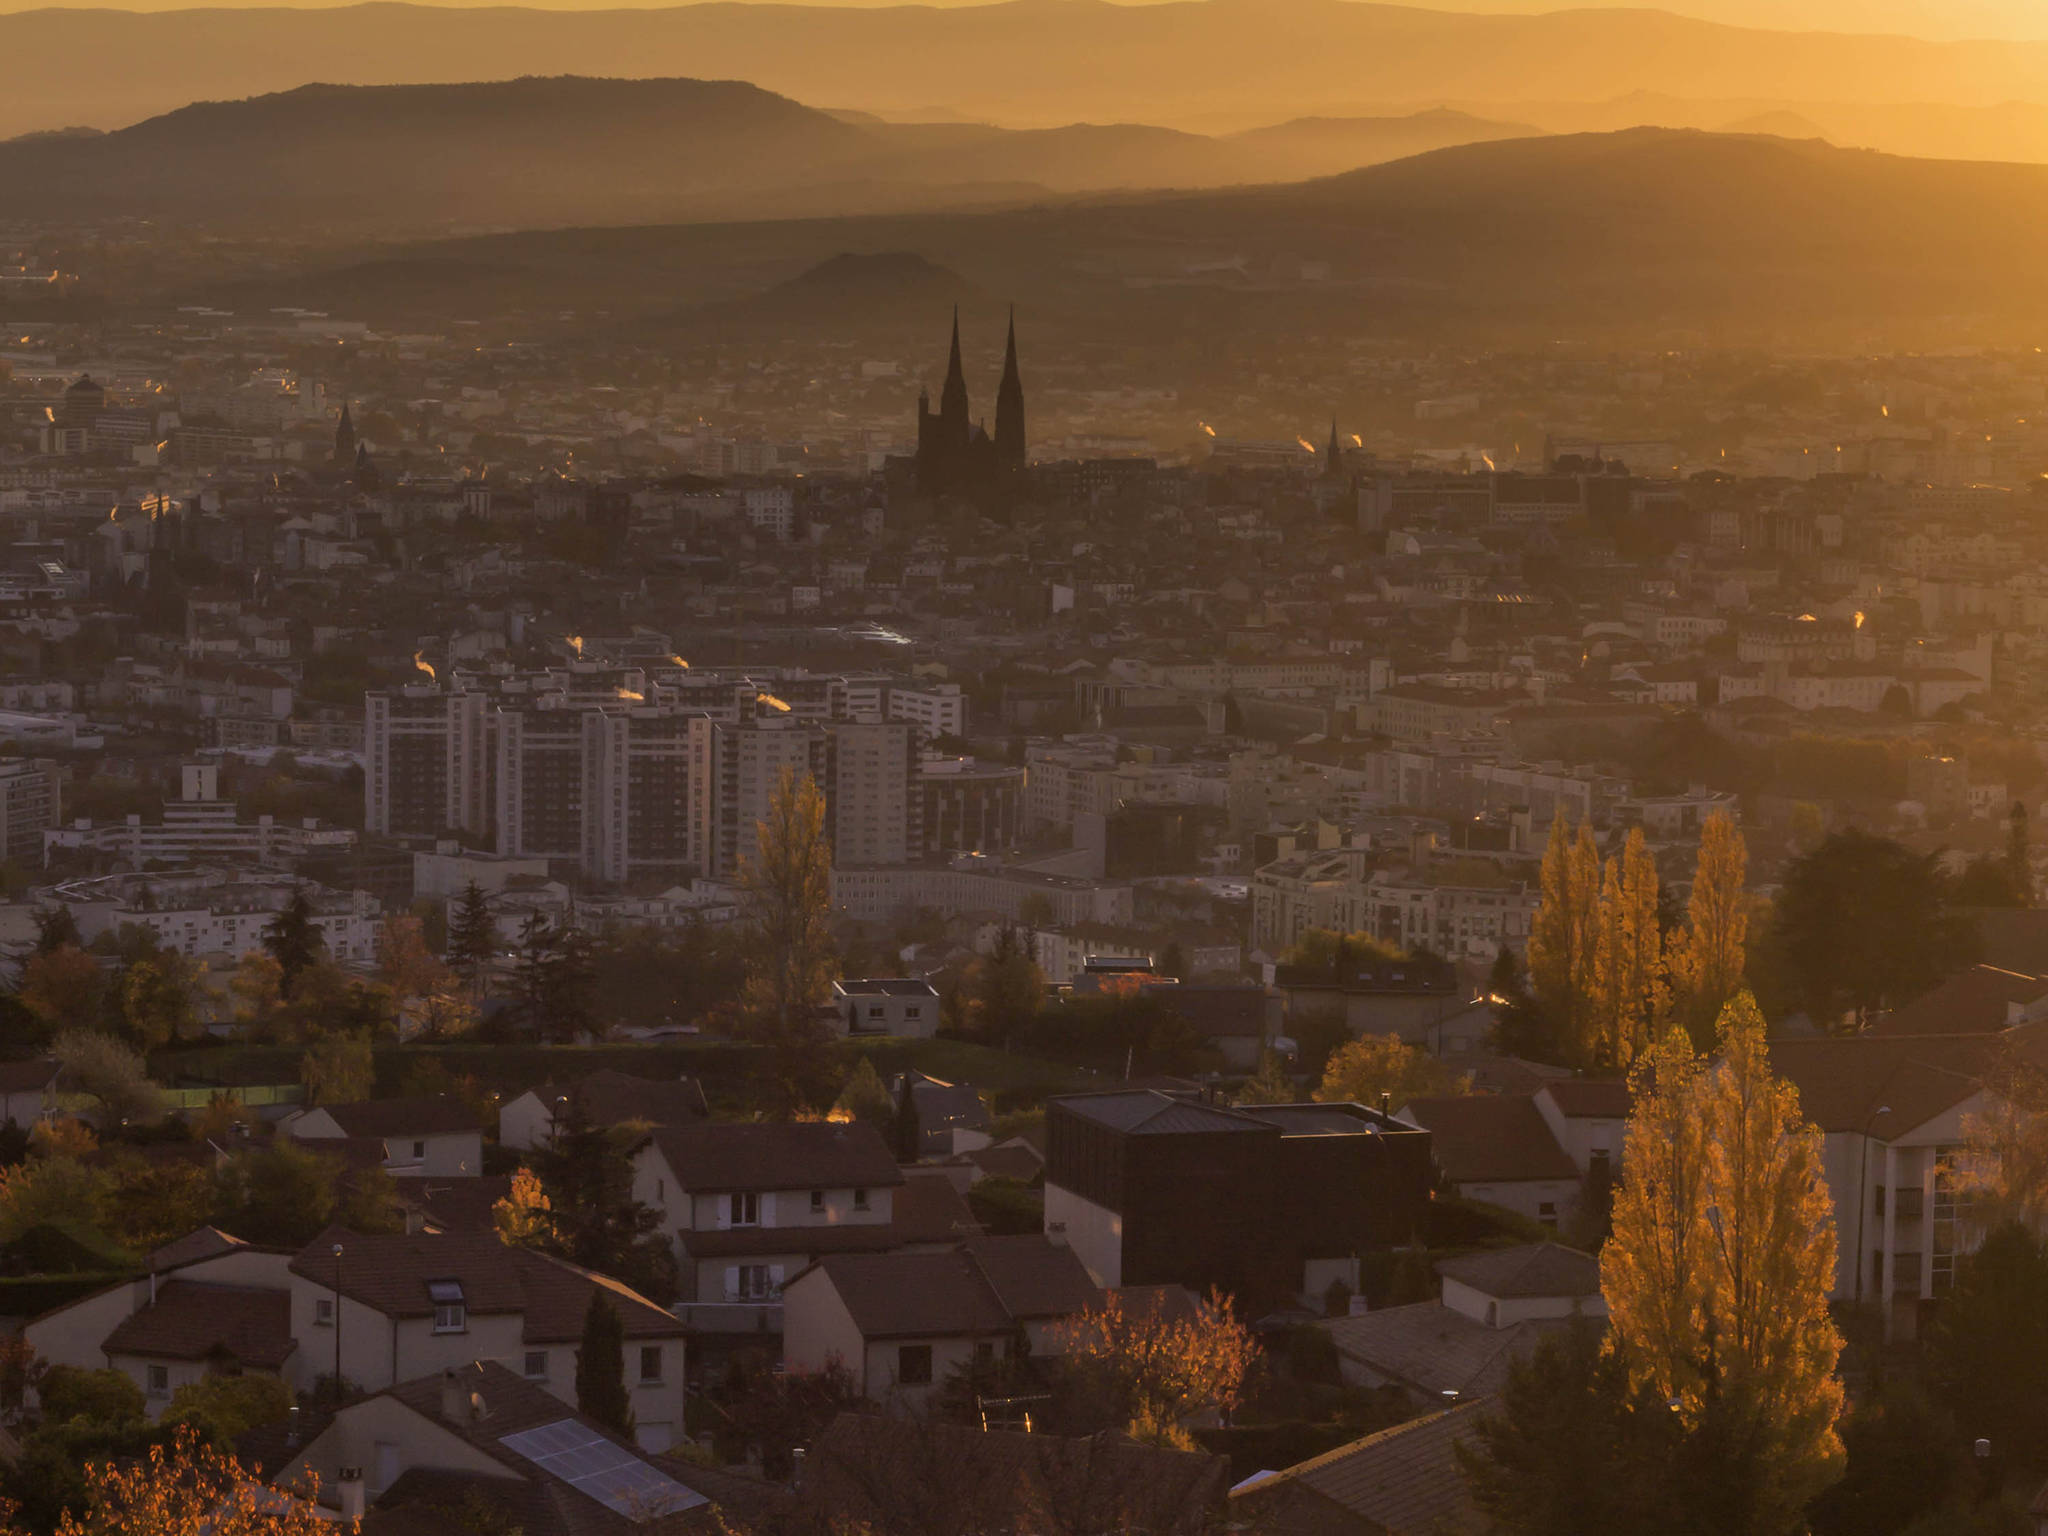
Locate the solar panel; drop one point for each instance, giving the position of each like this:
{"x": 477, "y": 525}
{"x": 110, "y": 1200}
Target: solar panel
{"x": 607, "y": 1472}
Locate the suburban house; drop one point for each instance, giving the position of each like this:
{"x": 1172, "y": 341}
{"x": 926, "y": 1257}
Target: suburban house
{"x": 435, "y": 1135}
{"x": 442, "y": 1451}
{"x": 1271, "y": 1203}
{"x": 1499, "y": 1148}
{"x": 1375, "y": 996}
{"x": 605, "y": 1098}
{"x": 951, "y": 1117}
{"x": 748, "y": 1205}
{"x": 1404, "y": 1481}
{"x": 902, "y": 1323}
{"x": 1588, "y": 1117}
{"x": 406, "y": 1305}
{"x": 886, "y": 1006}
{"x": 28, "y": 1091}
{"x": 1892, "y": 1110}
{"x": 1495, "y": 1307}
{"x": 1236, "y": 1020}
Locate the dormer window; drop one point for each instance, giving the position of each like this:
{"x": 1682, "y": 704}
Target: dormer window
{"x": 450, "y": 1314}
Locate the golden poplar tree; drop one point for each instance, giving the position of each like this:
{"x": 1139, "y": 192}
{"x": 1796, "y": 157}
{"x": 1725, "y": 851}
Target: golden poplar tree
{"x": 1717, "y": 1275}
{"x": 1709, "y": 953}
{"x": 1550, "y": 930}
{"x": 787, "y": 887}
{"x": 1564, "y": 937}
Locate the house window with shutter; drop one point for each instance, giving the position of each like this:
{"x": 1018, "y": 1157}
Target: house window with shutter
{"x": 743, "y": 1210}
{"x": 536, "y": 1365}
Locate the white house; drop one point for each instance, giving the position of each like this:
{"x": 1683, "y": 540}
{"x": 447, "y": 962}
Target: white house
{"x": 1499, "y": 1148}
{"x": 886, "y": 1006}
{"x": 902, "y": 1323}
{"x": 435, "y": 1136}
{"x": 604, "y": 1098}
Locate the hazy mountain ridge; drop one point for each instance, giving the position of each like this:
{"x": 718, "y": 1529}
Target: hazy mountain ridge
{"x": 540, "y": 152}
{"x": 1649, "y": 232}
{"x": 1039, "y": 62}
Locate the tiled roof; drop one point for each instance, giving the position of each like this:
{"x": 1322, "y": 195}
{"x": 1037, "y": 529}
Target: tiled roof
{"x": 928, "y": 1209}
{"x": 1237, "y": 1012}
{"x": 1404, "y": 1481}
{"x": 202, "y": 1243}
{"x": 1533, "y": 1269}
{"x": 607, "y": 1097}
{"x": 458, "y": 1205}
{"x": 1887, "y": 1085}
{"x": 986, "y": 1285}
{"x": 713, "y": 1158}
{"x": 897, "y": 1474}
{"x": 1589, "y": 1098}
{"x": 1970, "y": 1002}
{"x": 1483, "y": 1138}
{"x": 391, "y": 1272}
{"x": 429, "y": 1115}
{"x": 27, "y": 1076}
{"x": 189, "y": 1320}
{"x": 1432, "y": 1349}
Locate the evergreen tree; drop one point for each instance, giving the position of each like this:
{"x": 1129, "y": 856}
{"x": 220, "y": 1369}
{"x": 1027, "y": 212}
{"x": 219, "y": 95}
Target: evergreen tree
{"x": 56, "y": 927}
{"x": 293, "y": 939}
{"x": 906, "y": 1127}
{"x": 472, "y": 936}
{"x": 787, "y": 886}
{"x": 1709, "y": 953}
{"x": 1717, "y": 1274}
{"x": 865, "y": 1096}
{"x": 586, "y": 1175}
{"x": 1008, "y": 988}
{"x": 601, "y": 1367}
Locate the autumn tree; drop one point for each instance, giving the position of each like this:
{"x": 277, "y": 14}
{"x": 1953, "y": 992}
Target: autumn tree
{"x": 1717, "y": 1274}
{"x": 1149, "y": 1369}
{"x": 1362, "y": 1070}
{"x": 525, "y": 1217}
{"x": 63, "y": 987}
{"x": 601, "y": 1366}
{"x": 159, "y": 999}
{"x": 281, "y": 1194}
{"x": 2002, "y": 1169}
{"x": 55, "y": 928}
{"x": 257, "y": 987}
{"x": 186, "y": 1487}
{"x": 1627, "y": 1001}
{"x": 787, "y": 892}
{"x": 1707, "y": 956}
{"x": 1564, "y": 935}
{"x": 107, "y": 1071}
{"x": 339, "y": 1069}
{"x": 1325, "y": 949}
{"x": 1271, "y": 1084}
{"x": 1006, "y": 988}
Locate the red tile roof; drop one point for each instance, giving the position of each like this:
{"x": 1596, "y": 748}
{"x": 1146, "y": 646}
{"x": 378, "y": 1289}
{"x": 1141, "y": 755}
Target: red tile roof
{"x": 191, "y": 1320}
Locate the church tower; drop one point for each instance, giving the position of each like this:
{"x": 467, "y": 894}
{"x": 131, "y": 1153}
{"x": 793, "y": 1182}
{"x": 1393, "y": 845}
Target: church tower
{"x": 1010, "y": 406}
{"x": 345, "y": 440}
{"x": 953, "y": 398}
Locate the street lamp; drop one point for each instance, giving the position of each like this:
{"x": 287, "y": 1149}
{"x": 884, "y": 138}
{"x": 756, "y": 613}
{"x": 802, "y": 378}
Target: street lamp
{"x": 337, "y": 1327}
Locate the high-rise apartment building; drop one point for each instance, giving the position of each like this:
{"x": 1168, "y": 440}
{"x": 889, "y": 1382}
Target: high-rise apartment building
{"x": 872, "y": 805}
{"x": 734, "y": 768}
{"x": 425, "y": 762}
{"x": 28, "y": 806}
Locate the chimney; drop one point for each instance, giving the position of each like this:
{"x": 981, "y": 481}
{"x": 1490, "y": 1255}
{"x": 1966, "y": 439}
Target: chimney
{"x": 291, "y": 1427}
{"x": 453, "y": 1398}
{"x": 348, "y": 1492}
{"x": 1386, "y": 1102}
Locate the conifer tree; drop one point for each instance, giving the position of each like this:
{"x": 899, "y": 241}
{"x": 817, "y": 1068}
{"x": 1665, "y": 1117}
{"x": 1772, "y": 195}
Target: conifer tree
{"x": 601, "y": 1367}
{"x": 293, "y": 939}
{"x": 472, "y": 935}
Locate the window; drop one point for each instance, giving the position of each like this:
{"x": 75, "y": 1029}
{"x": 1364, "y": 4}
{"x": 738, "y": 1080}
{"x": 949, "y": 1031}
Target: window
{"x": 914, "y": 1365}
{"x": 817, "y": 1201}
{"x": 984, "y": 1352}
{"x": 755, "y": 1283}
{"x": 1546, "y": 1212}
{"x": 650, "y": 1362}
{"x": 860, "y": 1199}
{"x": 536, "y": 1365}
{"x": 419, "y": 1149}
{"x": 912, "y": 1011}
{"x": 743, "y": 1210}
{"x": 159, "y": 1381}
{"x": 450, "y": 1316}
{"x": 323, "y": 1312}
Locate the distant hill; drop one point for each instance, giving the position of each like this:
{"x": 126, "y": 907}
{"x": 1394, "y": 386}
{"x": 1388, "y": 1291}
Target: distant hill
{"x": 1649, "y": 235}
{"x": 535, "y": 153}
{"x": 1190, "y": 63}
{"x": 880, "y": 288}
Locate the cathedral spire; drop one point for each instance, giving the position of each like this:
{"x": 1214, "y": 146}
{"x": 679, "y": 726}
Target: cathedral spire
{"x": 1333, "y": 462}
{"x": 1010, "y": 406}
{"x": 953, "y": 398}
{"x": 345, "y": 439}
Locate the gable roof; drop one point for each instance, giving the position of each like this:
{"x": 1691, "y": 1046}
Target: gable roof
{"x": 714, "y": 1158}
{"x": 1979, "y": 1000}
{"x": 28, "y": 1076}
{"x": 1483, "y": 1138}
{"x": 200, "y": 1243}
{"x": 549, "y": 1505}
{"x": 986, "y": 1285}
{"x": 1405, "y": 1481}
{"x": 192, "y": 1320}
{"x": 1533, "y": 1269}
{"x": 424, "y": 1115}
{"x": 390, "y": 1273}
{"x": 1888, "y": 1085}
{"x": 1432, "y": 1349}
{"x": 1589, "y": 1098}
{"x": 608, "y": 1097}
{"x": 928, "y": 1209}
{"x": 1150, "y": 1112}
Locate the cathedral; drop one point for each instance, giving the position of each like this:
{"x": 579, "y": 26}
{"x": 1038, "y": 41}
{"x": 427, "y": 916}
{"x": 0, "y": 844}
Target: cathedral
{"x": 955, "y": 455}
